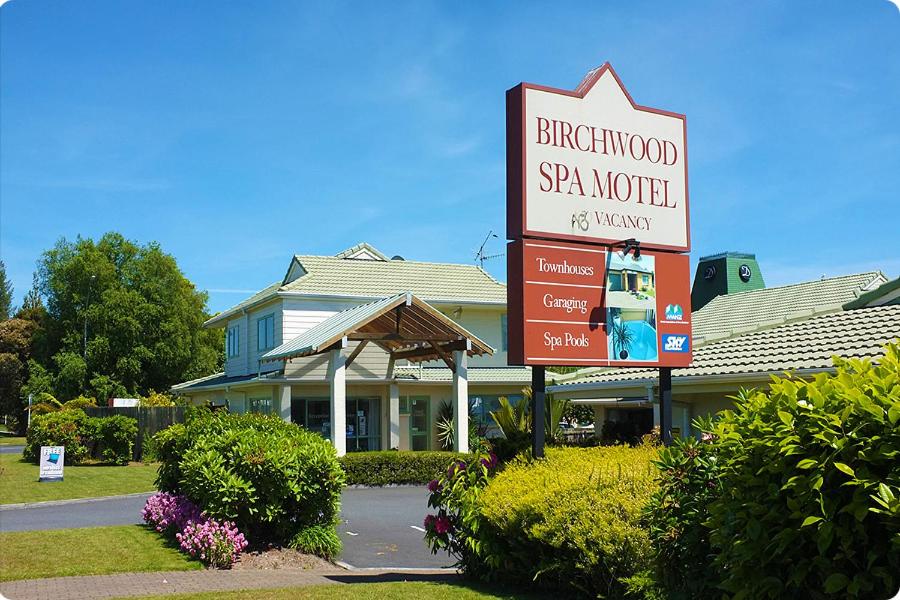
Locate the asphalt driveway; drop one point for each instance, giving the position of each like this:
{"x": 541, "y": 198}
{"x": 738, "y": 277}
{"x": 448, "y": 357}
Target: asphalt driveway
{"x": 380, "y": 527}
{"x": 11, "y": 449}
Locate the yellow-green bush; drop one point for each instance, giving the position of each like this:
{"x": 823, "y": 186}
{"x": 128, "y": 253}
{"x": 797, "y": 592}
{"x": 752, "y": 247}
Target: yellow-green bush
{"x": 571, "y": 521}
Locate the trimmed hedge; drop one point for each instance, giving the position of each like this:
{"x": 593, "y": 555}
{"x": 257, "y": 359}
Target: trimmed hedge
{"x": 275, "y": 480}
{"x": 397, "y": 467}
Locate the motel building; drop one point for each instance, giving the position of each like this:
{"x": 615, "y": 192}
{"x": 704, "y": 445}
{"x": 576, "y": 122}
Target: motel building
{"x": 379, "y": 345}
{"x": 383, "y": 345}
{"x": 743, "y": 334}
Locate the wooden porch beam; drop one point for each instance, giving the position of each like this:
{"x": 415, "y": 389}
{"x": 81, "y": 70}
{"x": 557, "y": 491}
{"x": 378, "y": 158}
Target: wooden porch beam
{"x": 422, "y": 352}
{"x": 444, "y": 356}
{"x": 355, "y": 353}
{"x": 381, "y": 337}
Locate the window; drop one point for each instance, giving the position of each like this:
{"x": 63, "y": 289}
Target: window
{"x": 482, "y": 405}
{"x": 265, "y": 332}
{"x": 262, "y": 405}
{"x": 232, "y": 341}
{"x": 504, "y": 333}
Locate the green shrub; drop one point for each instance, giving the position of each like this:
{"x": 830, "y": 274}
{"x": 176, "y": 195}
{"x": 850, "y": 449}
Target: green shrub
{"x": 115, "y": 438}
{"x": 455, "y": 527}
{"x": 396, "y": 467}
{"x": 110, "y": 439}
{"x": 677, "y": 513}
{"x": 80, "y": 402}
{"x": 273, "y": 479}
{"x": 810, "y": 478}
{"x": 69, "y": 428}
{"x": 571, "y": 521}
{"x": 320, "y": 540}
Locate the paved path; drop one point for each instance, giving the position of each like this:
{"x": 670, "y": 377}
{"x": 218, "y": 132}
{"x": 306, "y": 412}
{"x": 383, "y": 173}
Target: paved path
{"x": 380, "y": 527}
{"x": 11, "y": 449}
{"x": 171, "y": 582}
{"x": 88, "y": 512}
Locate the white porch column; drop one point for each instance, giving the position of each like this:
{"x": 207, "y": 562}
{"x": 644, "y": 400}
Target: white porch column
{"x": 284, "y": 404}
{"x": 394, "y": 417}
{"x": 460, "y": 402}
{"x": 337, "y": 381}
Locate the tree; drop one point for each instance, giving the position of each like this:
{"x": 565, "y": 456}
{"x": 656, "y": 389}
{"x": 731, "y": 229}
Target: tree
{"x": 6, "y": 294}
{"x": 15, "y": 349}
{"x": 142, "y": 318}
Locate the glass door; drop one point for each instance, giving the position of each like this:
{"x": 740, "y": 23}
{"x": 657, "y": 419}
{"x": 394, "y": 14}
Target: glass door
{"x": 419, "y": 423}
{"x": 363, "y": 424}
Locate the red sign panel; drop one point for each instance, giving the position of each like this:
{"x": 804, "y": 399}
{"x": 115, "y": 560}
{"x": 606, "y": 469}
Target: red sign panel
{"x": 583, "y": 305}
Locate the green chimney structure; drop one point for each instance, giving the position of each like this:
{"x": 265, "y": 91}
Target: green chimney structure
{"x": 725, "y": 273}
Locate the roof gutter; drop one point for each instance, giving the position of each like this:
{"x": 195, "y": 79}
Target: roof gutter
{"x": 647, "y": 383}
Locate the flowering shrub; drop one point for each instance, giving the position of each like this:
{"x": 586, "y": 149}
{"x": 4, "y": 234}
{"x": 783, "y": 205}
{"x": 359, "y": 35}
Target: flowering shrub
{"x": 677, "y": 515}
{"x": 169, "y": 513}
{"x": 273, "y": 479}
{"x": 455, "y": 497}
{"x": 216, "y": 544}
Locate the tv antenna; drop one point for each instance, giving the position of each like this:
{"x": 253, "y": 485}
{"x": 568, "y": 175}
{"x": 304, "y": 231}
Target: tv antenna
{"x": 480, "y": 256}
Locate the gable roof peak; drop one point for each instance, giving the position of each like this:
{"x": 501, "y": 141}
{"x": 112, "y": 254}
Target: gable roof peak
{"x": 362, "y": 251}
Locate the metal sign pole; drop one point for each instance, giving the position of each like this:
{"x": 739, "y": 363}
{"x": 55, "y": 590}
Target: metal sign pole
{"x": 538, "y": 393}
{"x": 665, "y": 405}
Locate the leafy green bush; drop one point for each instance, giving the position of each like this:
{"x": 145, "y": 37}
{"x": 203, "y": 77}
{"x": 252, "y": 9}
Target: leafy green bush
{"x": 80, "y": 402}
{"x": 393, "y": 467}
{"x": 110, "y": 439}
{"x": 810, "y": 477}
{"x": 676, "y": 516}
{"x": 115, "y": 438}
{"x": 69, "y": 428}
{"x": 273, "y": 479}
{"x": 321, "y": 540}
{"x": 571, "y": 521}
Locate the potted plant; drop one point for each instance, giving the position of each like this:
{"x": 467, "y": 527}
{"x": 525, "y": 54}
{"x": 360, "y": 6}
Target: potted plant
{"x": 622, "y": 339}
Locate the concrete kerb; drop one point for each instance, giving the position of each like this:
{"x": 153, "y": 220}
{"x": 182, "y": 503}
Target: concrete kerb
{"x": 26, "y": 505}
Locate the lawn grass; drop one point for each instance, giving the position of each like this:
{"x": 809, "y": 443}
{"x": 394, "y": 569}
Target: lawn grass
{"x": 406, "y": 590}
{"x": 19, "y": 481}
{"x": 11, "y": 440}
{"x": 88, "y": 551}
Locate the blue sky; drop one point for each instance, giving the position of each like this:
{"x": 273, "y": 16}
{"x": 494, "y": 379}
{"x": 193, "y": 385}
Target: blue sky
{"x": 238, "y": 134}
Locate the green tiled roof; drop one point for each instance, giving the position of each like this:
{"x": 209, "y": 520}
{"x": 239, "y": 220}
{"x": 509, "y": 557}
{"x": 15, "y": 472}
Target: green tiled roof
{"x": 808, "y": 344}
{"x": 741, "y": 312}
{"x": 877, "y": 296}
{"x": 333, "y": 276}
{"x": 516, "y": 375}
{"x": 371, "y": 279}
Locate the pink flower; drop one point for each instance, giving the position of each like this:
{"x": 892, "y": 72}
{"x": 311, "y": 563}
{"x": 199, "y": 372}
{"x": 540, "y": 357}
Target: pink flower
{"x": 442, "y": 525}
{"x": 434, "y": 485}
{"x": 429, "y": 521}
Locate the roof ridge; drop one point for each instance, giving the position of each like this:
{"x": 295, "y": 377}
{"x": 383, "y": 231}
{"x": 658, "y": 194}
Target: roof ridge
{"x": 789, "y": 285}
{"x": 394, "y": 262}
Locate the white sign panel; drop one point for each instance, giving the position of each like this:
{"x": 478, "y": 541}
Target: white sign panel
{"x": 591, "y": 165}
{"x": 52, "y": 459}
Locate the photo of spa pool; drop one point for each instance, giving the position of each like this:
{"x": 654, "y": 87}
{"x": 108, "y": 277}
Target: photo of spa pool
{"x": 631, "y": 334}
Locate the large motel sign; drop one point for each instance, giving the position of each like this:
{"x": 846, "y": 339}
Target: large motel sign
{"x": 597, "y": 215}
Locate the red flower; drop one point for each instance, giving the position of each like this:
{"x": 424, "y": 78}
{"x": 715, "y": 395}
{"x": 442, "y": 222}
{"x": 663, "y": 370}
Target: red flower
{"x": 442, "y": 525}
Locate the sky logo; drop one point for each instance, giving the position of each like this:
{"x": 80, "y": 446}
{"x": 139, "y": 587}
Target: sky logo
{"x": 674, "y": 312}
{"x": 676, "y": 343}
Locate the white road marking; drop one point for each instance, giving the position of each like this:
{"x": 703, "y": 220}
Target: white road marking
{"x": 350, "y": 533}
{"x": 417, "y": 528}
